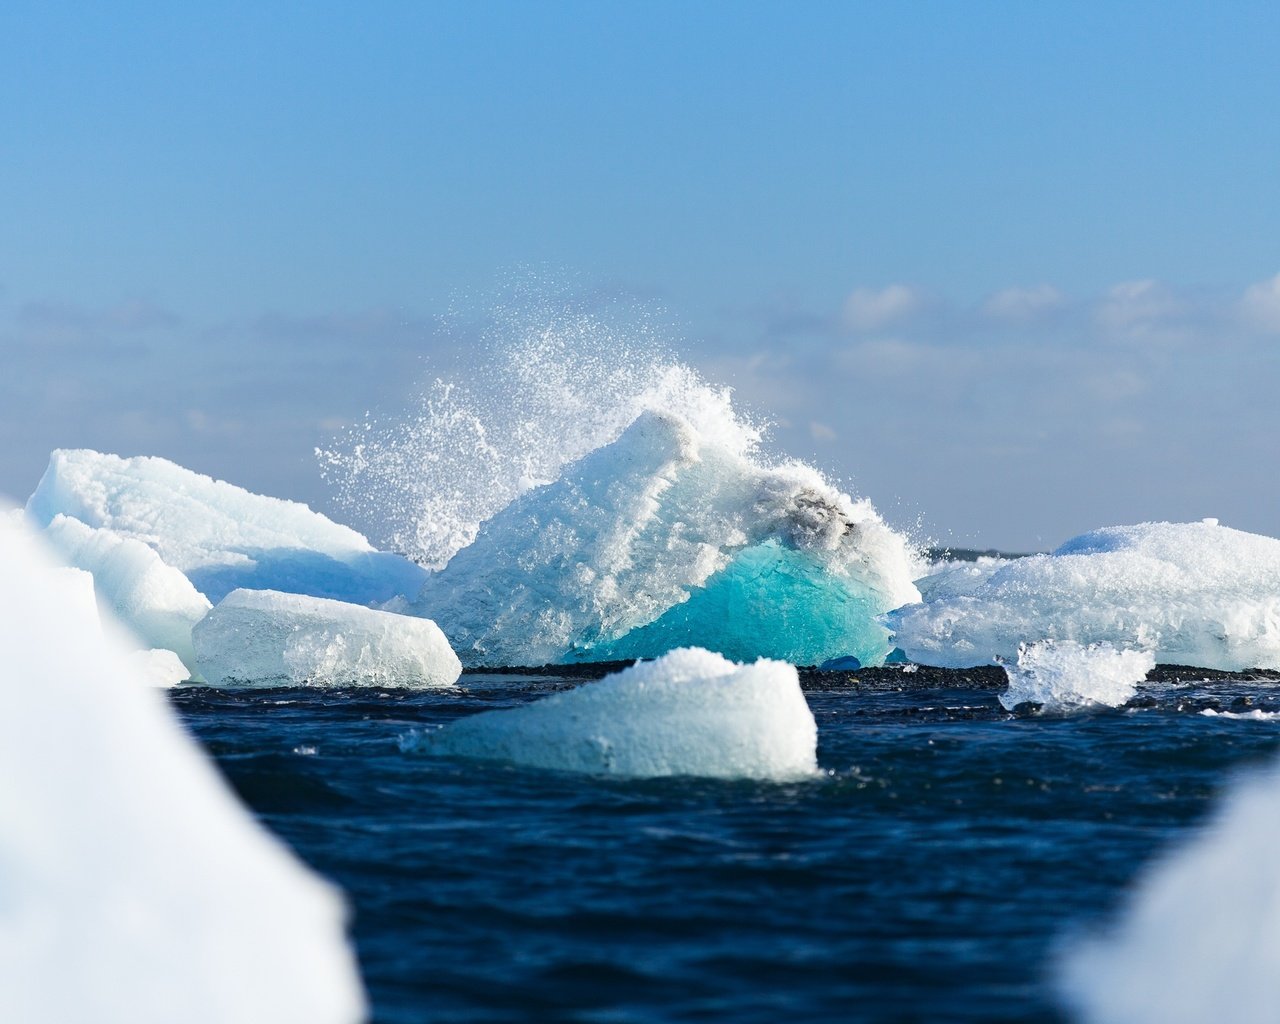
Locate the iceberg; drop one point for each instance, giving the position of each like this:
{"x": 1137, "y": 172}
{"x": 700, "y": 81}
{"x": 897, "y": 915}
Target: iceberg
{"x": 267, "y": 638}
{"x": 160, "y": 668}
{"x": 156, "y": 602}
{"x": 1194, "y": 593}
{"x": 1065, "y": 676}
{"x": 690, "y": 712}
{"x": 671, "y": 536}
{"x": 134, "y": 888}
{"x": 220, "y": 536}
{"x": 1199, "y": 938}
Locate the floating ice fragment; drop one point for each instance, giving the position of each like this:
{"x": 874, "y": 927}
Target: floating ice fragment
{"x": 133, "y": 888}
{"x": 155, "y": 601}
{"x": 1199, "y": 938}
{"x": 219, "y": 535}
{"x": 690, "y": 712}
{"x": 667, "y": 537}
{"x": 265, "y": 638}
{"x": 1195, "y": 593}
{"x": 160, "y": 668}
{"x": 1063, "y": 675}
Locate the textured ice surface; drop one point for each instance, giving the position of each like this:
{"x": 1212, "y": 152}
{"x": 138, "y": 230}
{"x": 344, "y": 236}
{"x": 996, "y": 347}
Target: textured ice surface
{"x": 1195, "y": 593}
{"x": 133, "y": 888}
{"x": 1063, "y": 675}
{"x": 156, "y": 602}
{"x": 670, "y": 536}
{"x": 1200, "y": 937}
{"x": 690, "y": 712}
{"x": 157, "y": 668}
{"x": 221, "y": 536}
{"x": 265, "y": 638}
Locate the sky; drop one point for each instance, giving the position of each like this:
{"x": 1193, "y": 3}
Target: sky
{"x": 1010, "y": 270}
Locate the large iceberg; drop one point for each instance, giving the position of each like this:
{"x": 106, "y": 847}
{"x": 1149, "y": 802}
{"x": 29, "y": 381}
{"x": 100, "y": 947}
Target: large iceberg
{"x": 671, "y": 536}
{"x": 690, "y": 712}
{"x": 266, "y": 638}
{"x": 133, "y": 888}
{"x": 155, "y": 601}
{"x": 1194, "y": 593}
{"x": 220, "y": 536}
{"x": 1200, "y": 937}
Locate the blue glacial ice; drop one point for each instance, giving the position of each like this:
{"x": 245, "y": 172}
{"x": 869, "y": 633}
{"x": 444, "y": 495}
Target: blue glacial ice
{"x": 690, "y": 712}
{"x": 266, "y": 638}
{"x": 135, "y": 889}
{"x": 674, "y": 534}
{"x": 1192, "y": 593}
{"x": 220, "y": 536}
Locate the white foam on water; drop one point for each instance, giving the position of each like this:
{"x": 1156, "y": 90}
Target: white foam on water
{"x": 690, "y": 712}
{"x": 133, "y": 887}
{"x": 1256, "y": 715}
{"x": 1195, "y": 593}
{"x": 1198, "y": 938}
{"x": 265, "y": 638}
{"x": 1064, "y": 676}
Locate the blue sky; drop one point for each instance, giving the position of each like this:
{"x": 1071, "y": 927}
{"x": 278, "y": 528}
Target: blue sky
{"x": 1006, "y": 268}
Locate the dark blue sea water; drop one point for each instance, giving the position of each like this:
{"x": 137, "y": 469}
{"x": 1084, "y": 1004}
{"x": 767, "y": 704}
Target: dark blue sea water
{"x": 927, "y": 876}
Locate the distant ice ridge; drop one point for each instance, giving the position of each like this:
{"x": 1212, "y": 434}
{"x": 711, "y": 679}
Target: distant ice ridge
{"x": 1199, "y": 938}
{"x": 673, "y": 535}
{"x": 1194, "y": 593}
{"x": 156, "y": 602}
{"x": 690, "y": 712}
{"x": 265, "y": 638}
{"x": 1063, "y": 675}
{"x": 220, "y": 536}
{"x": 133, "y": 888}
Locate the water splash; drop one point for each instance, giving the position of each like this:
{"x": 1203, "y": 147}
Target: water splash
{"x": 550, "y": 380}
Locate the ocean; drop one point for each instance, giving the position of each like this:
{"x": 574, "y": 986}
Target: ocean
{"x": 934, "y": 870}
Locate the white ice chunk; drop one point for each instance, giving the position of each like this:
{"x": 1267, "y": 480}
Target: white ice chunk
{"x": 1063, "y": 675}
{"x": 153, "y": 600}
{"x": 1199, "y": 939}
{"x": 133, "y": 888}
{"x": 221, "y": 536}
{"x": 1194, "y": 593}
{"x": 672, "y": 536}
{"x": 690, "y": 712}
{"x": 160, "y": 668}
{"x": 265, "y": 638}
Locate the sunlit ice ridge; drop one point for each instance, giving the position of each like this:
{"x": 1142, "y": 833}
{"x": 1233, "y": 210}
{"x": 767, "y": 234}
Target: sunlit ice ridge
{"x": 580, "y": 494}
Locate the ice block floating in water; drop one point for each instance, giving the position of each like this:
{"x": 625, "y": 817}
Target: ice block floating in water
{"x": 265, "y": 638}
{"x": 690, "y": 712}
{"x": 1194, "y": 593}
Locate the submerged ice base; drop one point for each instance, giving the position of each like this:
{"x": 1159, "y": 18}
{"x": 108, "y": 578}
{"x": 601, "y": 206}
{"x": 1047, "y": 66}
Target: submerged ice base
{"x": 1194, "y": 593}
{"x": 673, "y": 535}
{"x": 690, "y": 712}
{"x": 265, "y": 638}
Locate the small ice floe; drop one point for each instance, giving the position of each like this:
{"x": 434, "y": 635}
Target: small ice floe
{"x": 1195, "y": 593}
{"x": 1256, "y": 715}
{"x": 1199, "y": 938}
{"x": 217, "y": 534}
{"x": 1062, "y": 675}
{"x": 265, "y": 638}
{"x": 690, "y": 712}
{"x": 134, "y": 889}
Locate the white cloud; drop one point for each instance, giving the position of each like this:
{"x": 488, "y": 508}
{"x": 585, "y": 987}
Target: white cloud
{"x": 1020, "y": 305}
{"x": 1260, "y": 305}
{"x": 1144, "y": 307}
{"x": 868, "y": 309}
